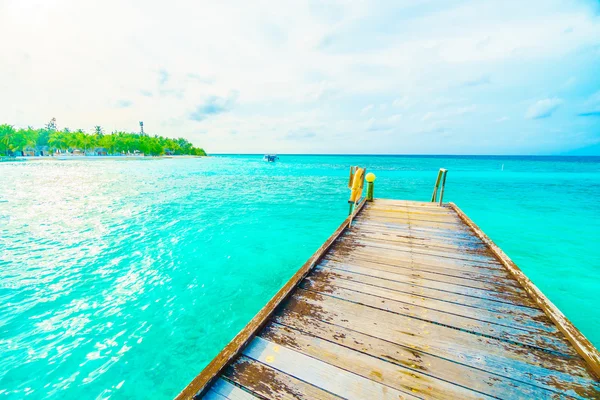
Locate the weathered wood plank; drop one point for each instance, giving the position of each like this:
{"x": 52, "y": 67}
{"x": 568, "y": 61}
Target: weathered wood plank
{"x": 416, "y": 255}
{"x": 423, "y": 215}
{"x": 411, "y": 289}
{"x": 412, "y": 301}
{"x": 505, "y": 297}
{"x": 541, "y": 340}
{"x": 454, "y": 227}
{"x": 408, "y": 203}
{"x": 409, "y": 216}
{"x": 524, "y": 364}
{"x": 320, "y": 374}
{"x": 418, "y": 273}
{"x": 230, "y": 391}
{"x": 330, "y": 280}
{"x": 443, "y": 211}
{"x": 584, "y": 347}
{"x": 491, "y": 272}
{"x": 449, "y": 220}
{"x": 472, "y": 275}
{"x": 270, "y": 383}
{"x": 430, "y": 242}
{"x": 416, "y": 360}
{"x": 351, "y": 244}
{"x": 367, "y": 366}
{"x": 419, "y": 242}
{"x": 452, "y": 236}
{"x": 391, "y": 259}
{"x": 212, "y": 395}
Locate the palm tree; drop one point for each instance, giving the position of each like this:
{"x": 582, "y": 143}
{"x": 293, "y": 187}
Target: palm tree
{"x": 7, "y": 133}
{"x": 58, "y": 139}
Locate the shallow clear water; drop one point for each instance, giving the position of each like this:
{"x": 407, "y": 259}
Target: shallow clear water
{"x": 123, "y": 279}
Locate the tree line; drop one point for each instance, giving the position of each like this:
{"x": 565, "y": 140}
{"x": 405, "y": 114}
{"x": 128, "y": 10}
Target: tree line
{"x": 49, "y": 139}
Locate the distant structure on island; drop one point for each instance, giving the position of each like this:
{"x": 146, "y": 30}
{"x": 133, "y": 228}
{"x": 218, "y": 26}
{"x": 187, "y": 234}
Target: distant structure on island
{"x": 142, "y": 128}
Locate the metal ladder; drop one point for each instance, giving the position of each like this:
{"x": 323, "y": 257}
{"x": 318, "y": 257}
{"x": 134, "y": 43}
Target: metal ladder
{"x": 441, "y": 178}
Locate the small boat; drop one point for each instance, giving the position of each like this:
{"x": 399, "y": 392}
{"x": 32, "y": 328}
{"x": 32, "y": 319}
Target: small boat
{"x": 270, "y": 157}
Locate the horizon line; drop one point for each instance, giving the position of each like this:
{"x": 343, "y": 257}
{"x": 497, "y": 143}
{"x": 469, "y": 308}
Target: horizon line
{"x": 407, "y": 155}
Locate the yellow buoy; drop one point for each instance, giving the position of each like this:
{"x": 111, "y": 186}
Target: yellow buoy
{"x": 357, "y": 185}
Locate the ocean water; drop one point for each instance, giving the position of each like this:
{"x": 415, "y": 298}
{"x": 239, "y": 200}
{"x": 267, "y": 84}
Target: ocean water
{"x": 122, "y": 279}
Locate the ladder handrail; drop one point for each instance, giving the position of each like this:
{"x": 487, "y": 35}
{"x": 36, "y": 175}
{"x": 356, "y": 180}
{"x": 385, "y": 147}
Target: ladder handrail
{"x": 441, "y": 178}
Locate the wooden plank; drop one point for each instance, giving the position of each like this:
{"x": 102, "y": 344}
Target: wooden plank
{"x": 415, "y": 360}
{"x": 386, "y": 227}
{"x": 413, "y": 208}
{"x": 430, "y": 242}
{"x": 425, "y": 205}
{"x": 480, "y": 271}
{"x": 434, "y": 231}
{"x": 212, "y": 395}
{"x": 325, "y": 280}
{"x": 464, "y": 273}
{"x": 349, "y": 246}
{"x": 415, "y": 240}
{"x": 230, "y": 391}
{"x": 392, "y": 248}
{"x": 524, "y": 364}
{"x": 435, "y": 275}
{"x": 417, "y": 213}
{"x": 418, "y": 273}
{"x": 408, "y": 215}
{"x": 448, "y": 219}
{"x": 405, "y": 203}
{"x": 505, "y": 297}
{"x": 411, "y": 301}
{"x": 583, "y": 346}
{"x": 332, "y": 379}
{"x": 392, "y": 259}
{"x": 416, "y": 223}
{"x": 411, "y": 289}
{"x": 436, "y": 210}
{"x": 201, "y": 382}
{"x": 542, "y": 340}
{"x": 367, "y": 366}
{"x": 270, "y": 383}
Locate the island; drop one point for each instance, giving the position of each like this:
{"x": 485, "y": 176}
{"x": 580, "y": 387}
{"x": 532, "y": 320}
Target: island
{"x": 51, "y": 141}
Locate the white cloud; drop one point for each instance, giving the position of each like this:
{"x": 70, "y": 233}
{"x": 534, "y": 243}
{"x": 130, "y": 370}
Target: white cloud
{"x": 591, "y": 107}
{"x": 296, "y": 67}
{"x": 366, "y": 110}
{"x": 543, "y": 108}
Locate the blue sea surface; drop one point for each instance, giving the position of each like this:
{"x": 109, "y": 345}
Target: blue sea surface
{"x": 123, "y": 278}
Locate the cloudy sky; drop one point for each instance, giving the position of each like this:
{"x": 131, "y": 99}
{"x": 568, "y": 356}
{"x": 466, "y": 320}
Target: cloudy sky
{"x": 398, "y": 76}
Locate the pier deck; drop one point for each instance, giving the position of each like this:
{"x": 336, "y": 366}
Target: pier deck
{"x": 411, "y": 301}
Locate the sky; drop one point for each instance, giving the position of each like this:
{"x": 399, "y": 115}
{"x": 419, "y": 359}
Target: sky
{"x": 376, "y": 77}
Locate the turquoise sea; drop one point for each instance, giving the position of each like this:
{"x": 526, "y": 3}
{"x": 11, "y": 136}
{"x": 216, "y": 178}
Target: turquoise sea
{"x": 123, "y": 278}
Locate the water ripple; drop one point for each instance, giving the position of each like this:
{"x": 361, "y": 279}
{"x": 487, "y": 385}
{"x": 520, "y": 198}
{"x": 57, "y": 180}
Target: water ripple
{"x": 123, "y": 279}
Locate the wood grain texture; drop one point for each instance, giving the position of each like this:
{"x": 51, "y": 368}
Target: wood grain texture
{"x": 411, "y": 301}
{"x": 230, "y": 391}
{"x": 583, "y": 346}
{"x": 269, "y": 383}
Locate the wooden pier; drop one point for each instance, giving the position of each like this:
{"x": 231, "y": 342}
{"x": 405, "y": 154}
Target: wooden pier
{"x": 410, "y": 301}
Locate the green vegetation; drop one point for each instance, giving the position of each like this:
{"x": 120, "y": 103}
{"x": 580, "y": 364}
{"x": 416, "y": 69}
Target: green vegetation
{"x": 50, "y": 140}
